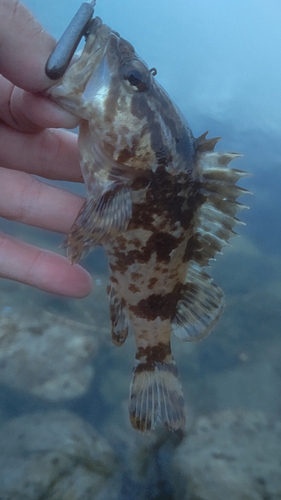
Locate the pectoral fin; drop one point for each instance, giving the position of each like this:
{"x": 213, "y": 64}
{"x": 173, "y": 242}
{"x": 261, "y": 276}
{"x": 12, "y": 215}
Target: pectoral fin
{"x": 102, "y": 217}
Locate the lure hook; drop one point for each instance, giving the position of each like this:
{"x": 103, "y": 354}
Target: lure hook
{"x": 60, "y": 58}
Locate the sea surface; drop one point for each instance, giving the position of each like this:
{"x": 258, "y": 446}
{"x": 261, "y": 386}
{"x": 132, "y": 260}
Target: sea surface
{"x": 220, "y": 62}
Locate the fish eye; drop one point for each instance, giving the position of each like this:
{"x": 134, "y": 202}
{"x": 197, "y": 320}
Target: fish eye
{"x": 136, "y": 78}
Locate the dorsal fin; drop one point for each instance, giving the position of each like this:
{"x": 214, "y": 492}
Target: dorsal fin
{"x": 203, "y": 144}
{"x": 202, "y": 300}
{"x": 217, "y": 214}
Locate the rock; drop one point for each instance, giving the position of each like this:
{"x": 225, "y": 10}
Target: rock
{"x": 54, "y": 455}
{"x": 46, "y": 355}
{"x": 231, "y": 455}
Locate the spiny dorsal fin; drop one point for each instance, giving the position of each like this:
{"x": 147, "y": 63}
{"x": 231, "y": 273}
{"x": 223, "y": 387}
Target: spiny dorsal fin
{"x": 103, "y": 216}
{"x": 200, "y": 306}
{"x": 119, "y": 322}
{"x": 202, "y": 300}
{"x": 203, "y": 144}
{"x": 156, "y": 395}
{"x": 217, "y": 215}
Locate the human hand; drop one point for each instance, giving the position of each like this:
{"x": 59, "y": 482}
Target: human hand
{"x": 31, "y": 144}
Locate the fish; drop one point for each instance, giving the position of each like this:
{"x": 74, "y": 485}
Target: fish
{"x": 162, "y": 204}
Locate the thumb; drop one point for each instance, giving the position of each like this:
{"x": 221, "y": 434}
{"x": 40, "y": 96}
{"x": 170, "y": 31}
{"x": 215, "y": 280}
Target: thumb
{"x": 24, "y": 47}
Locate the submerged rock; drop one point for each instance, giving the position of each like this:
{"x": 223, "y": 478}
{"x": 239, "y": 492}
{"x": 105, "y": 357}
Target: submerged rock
{"x": 232, "y": 455}
{"x": 46, "y": 355}
{"x": 53, "y": 455}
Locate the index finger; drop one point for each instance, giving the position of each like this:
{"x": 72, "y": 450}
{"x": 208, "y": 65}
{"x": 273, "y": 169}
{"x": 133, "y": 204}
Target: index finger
{"x": 50, "y": 153}
{"x": 24, "y": 47}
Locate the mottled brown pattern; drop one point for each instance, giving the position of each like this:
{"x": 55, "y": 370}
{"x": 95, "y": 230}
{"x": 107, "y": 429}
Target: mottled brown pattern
{"x": 174, "y": 199}
{"x": 123, "y": 260}
{"x": 135, "y": 276}
{"x": 158, "y": 305}
{"x": 152, "y": 354}
{"x": 184, "y": 144}
{"x": 159, "y": 243}
{"x": 140, "y": 182}
{"x": 149, "y": 179}
{"x": 162, "y": 244}
{"x": 121, "y": 242}
{"x": 126, "y": 153}
{"x": 152, "y": 282}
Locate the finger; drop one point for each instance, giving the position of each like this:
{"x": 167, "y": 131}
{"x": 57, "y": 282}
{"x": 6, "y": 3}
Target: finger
{"x": 24, "y": 47}
{"x": 42, "y": 269}
{"x": 25, "y": 199}
{"x": 49, "y": 153}
{"x": 31, "y": 112}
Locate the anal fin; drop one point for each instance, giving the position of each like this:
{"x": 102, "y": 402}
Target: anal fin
{"x": 103, "y": 216}
{"x": 156, "y": 395}
{"x": 200, "y": 306}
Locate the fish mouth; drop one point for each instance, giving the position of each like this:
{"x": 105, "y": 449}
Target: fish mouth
{"x": 87, "y": 80}
{"x": 97, "y": 72}
{"x": 97, "y": 39}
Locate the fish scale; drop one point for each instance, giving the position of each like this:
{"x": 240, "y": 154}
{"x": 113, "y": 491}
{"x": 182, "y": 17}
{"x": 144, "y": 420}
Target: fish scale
{"x": 160, "y": 202}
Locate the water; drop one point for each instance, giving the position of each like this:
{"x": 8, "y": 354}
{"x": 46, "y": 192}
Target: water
{"x": 219, "y": 62}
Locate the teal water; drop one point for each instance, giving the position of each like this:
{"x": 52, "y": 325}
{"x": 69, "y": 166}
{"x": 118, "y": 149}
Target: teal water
{"x": 218, "y": 61}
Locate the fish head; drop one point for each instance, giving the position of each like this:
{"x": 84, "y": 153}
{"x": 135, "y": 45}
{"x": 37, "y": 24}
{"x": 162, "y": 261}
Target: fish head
{"x": 108, "y": 65}
{"x": 129, "y": 115}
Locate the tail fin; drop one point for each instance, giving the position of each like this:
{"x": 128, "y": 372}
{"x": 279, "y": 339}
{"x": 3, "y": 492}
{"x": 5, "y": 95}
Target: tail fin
{"x": 156, "y": 394}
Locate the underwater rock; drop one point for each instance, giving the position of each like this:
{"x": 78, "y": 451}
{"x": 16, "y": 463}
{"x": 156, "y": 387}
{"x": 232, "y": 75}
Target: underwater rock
{"x": 53, "y": 455}
{"x": 232, "y": 455}
{"x": 46, "y": 355}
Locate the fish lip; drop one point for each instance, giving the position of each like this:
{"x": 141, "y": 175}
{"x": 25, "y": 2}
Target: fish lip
{"x": 83, "y": 66}
{"x": 99, "y": 35}
{"x": 95, "y": 54}
{"x": 93, "y": 26}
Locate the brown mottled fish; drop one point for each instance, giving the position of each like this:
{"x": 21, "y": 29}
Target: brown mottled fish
{"x": 160, "y": 202}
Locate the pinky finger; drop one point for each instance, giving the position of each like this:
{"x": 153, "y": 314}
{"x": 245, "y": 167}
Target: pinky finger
{"x": 42, "y": 269}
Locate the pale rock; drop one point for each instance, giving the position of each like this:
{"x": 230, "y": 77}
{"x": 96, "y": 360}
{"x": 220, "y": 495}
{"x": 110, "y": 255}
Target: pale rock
{"x": 231, "y": 455}
{"x": 54, "y": 455}
{"x": 46, "y": 355}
